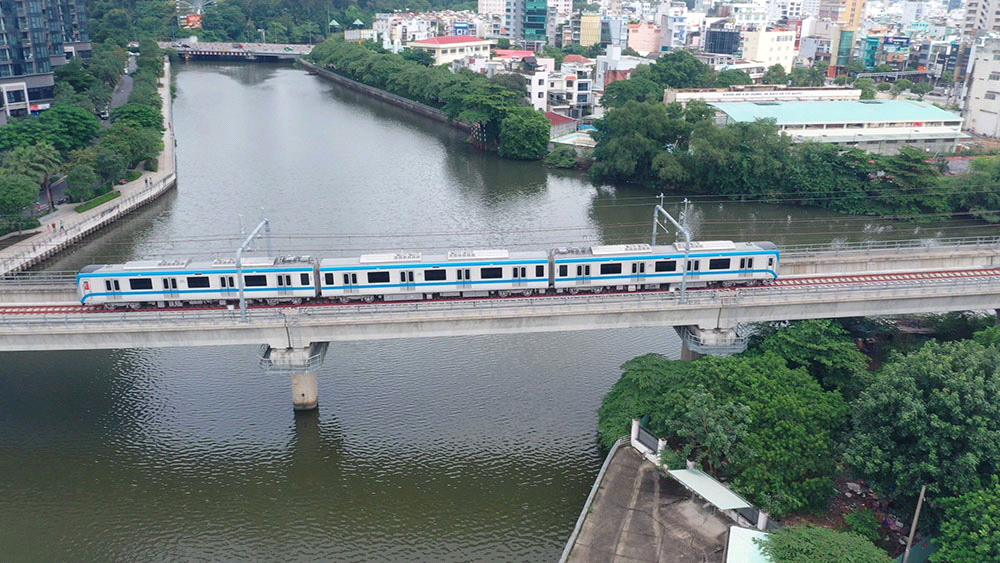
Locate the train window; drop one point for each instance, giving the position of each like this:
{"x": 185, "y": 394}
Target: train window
{"x": 467, "y": 276}
{"x": 435, "y": 275}
{"x": 539, "y": 271}
{"x": 328, "y": 278}
{"x": 410, "y": 276}
{"x": 198, "y": 282}
{"x": 523, "y": 274}
{"x": 460, "y": 274}
{"x": 140, "y": 283}
{"x": 222, "y": 281}
{"x": 517, "y": 272}
{"x": 402, "y": 277}
{"x": 281, "y": 280}
{"x": 255, "y": 281}
{"x": 354, "y": 279}
{"x": 750, "y": 263}
{"x": 173, "y": 283}
{"x": 770, "y": 262}
{"x": 586, "y": 270}
{"x": 117, "y": 288}
{"x": 635, "y": 267}
{"x": 378, "y": 277}
{"x": 718, "y": 264}
{"x": 563, "y": 271}
{"x": 743, "y": 263}
{"x": 166, "y": 283}
{"x": 665, "y": 266}
{"x": 579, "y": 270}
{"x": 231, "y": 282}
{"x": 694, "y": 265}
{"x": 107, "y": 285}
{"x": 288, "y": 280}
{"x": 608, "y": 269}
{"x": 642, "y": 267}
{"x": 490, "y": 273}
{"x": 347, "y": 279}
{"x": 304, "y": 278}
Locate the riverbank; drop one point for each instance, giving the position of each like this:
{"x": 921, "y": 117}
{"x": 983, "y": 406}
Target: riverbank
{"x": 65, "y": 227}
{"x": 405, "y": 103}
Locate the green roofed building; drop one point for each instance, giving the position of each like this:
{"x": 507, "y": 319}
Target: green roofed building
{"x": 878, "y": 126}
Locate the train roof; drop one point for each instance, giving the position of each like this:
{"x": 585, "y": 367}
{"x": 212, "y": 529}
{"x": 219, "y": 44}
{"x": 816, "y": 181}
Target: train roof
{"x": 189, "y": 264}
{"x": 417, "y": 258}
{"x": 641, "y": 249}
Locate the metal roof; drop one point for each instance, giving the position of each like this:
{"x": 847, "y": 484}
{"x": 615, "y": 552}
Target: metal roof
{"x": 837, "y": 111}
{"x": 705, "y": 486}
{"x": 741, "y": 547}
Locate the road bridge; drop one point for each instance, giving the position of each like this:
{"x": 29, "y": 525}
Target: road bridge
{"x": 266, "y": 52}
{"x": 835, "y": 283}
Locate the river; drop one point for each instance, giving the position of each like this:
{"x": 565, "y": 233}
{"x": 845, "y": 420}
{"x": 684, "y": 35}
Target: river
{"x": 446, "y": 449}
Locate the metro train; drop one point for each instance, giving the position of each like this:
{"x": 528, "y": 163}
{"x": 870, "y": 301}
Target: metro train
{"x": 414, "y": 276}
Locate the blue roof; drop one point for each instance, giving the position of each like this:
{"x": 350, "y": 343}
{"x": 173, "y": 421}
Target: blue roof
{"x": 863, "y": 111}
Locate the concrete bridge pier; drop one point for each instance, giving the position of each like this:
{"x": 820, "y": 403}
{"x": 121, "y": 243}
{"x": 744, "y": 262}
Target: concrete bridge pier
{"x": 697, "y": 342}
{"x": 301, "y": 365}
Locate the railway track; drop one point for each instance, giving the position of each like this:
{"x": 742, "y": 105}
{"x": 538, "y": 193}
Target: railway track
{"x": 788, "y": 282}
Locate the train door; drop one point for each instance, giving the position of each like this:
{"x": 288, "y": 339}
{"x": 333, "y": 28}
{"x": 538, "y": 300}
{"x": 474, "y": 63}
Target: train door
{"x": 406, "y": 284}
{"x": 583, "y": 274}
{"x": 520, "y": 273}
{"x": 639, "y": 272}
{"x": 464, "y": 281}
{"x": 746, "y": 267}
{"x": 284, "y": 284}
{"x": 113, "y": 289}
{"x": 170, "y": 292}
{"x": 228, "y": 287}
{"x": 351, "y": 284}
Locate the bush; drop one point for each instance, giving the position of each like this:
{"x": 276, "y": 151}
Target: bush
{"x": 863, "y": 523}
{"x": 811, "y": 544}
{"x": 96, "y": 201}
{"x": 151, "y": 164}
{"x": 561, "y": 157}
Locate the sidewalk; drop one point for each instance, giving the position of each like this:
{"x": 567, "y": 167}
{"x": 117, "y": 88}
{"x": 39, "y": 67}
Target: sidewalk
{"x": 65, "y": 226}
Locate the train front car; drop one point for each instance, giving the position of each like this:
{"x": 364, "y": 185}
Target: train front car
{"x": 412, "y": 276}
{"x": 174, "y": 283}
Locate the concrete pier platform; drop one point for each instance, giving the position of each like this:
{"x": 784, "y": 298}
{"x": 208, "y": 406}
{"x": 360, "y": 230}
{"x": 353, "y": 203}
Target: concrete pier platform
{"x": 640, "y": 515}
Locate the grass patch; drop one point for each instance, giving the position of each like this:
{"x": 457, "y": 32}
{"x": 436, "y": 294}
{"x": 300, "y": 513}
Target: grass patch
{"x": 96, "y": 201}
{"x": 132, "y": 175}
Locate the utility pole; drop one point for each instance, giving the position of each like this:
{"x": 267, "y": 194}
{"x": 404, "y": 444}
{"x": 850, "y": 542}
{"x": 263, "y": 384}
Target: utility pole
{"x": 682, "y": 229}
{"x": 239, "y": 262}
{"x": 913, "y": 526}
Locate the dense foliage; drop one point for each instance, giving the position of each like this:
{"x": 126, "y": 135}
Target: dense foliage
{"x": 930, "y": 418}
{"x": 811, "y": 544}
{"x": 970, "y": 530}
{"x": 751, "y": 418}
{"x": 465, "y": 96}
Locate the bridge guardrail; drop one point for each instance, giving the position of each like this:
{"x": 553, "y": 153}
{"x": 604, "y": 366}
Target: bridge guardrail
{"x": 801, "y": 250}
{"x": 579, "y": 304}
{"x": 38, "y": 278}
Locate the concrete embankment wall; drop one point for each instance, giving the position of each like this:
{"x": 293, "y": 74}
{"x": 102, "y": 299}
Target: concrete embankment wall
{"x": 416, "y": 107}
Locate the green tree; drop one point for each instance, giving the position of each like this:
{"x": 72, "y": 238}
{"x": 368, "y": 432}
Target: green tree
{"x": 634, "y": 89}
{"x": 807, "y": 77}
{"x": 503, "y": 43}
{"x": 226, "y": 21}
{"x": 677, "y": 69}
{"x": 524, "y": 134}
{"x": 901, "y": 86}
{"x": 74, "y": 75}
{"x": 17, "y": 192}
{"x": 731, "y": 77}
{"x": 931, "y": 417}
{"x": 867, "y": 87}
{"x": 883, "y": 68}
{"x": 947, "y": 77}
{"x": 512, "y": 81}
{"x": 70, "y": 127}
{"x": 883, "y": 86}
{"x": 710, "y": 430}
{"x": 109, "y": 165}
{"x": 82, "y": 180}
{"x": 921, "y": 89}
{"x": 630, "y": 137}
{"x": 419, "y": 56}
{"x": 775, "y": 74}
{"x": 562, "y": 156}
{"x": 821, "y": 346}
{"x": 854, "y": 67}
{"x": 812, "y": 544}
{"x": 38, "y": 162}
{"x": 970, "y": 530}
{"x": 138, "y": 115}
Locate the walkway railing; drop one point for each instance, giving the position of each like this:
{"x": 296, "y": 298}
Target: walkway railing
{"x": 803, "y": 250}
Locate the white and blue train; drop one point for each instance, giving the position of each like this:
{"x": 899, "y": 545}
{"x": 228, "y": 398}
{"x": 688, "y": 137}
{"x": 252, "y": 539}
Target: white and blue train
{"x": 414, "y": 276}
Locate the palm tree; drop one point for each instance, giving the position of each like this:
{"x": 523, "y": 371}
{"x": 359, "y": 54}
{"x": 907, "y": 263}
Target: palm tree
{"x": 38, "y": 161}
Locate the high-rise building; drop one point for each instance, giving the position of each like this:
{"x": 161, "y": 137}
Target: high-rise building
{"x": 983, "y": 89}
{"x": 525, "y": 22}
{"x": 981, "y": 16}
{"x": 847, "y": 12}
{"x": 35, "y": 36}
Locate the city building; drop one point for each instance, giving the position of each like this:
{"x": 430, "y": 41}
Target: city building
{"x": 878, "y": 126}
{"x": 452, "y": 47}
{"x": 982, "y": 101}
{"x": 35, "y": 37}
{"x": 613, "y": 65}
{"x": 590, "y": 30}
{"x": 526, "y": 22}
{"x": 491, "y": 7}
{"x": 673, "y": 20}
{"x": 721, "y": 41}
{"x": 644, "y": 38}
{"x": 770, "y": 47}
{"x": 570, "y": 91}
{"x": 848, "y": 12}
{"x": 981, "y": 16}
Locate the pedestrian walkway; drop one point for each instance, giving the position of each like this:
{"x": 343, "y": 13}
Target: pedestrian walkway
{"x": 640, "y": 515}
{"x": 65, "y": 226}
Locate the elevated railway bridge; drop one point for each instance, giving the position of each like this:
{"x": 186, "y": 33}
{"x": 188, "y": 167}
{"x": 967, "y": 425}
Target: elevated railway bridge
{"x": 40, "y": 310}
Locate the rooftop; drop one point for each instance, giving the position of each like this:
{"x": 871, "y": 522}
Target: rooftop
{"x": 556, "y": 119}
{"x": 450, "y": 40}
{"x": 511, "y": 53}
{"x": 835, "y": 111}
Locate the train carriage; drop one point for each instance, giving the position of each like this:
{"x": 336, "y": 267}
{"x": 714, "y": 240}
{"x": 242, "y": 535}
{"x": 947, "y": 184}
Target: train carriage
{"x": 178, "y": 282}
{"x": 641, "y": 266}
{"x": 415, "y": 276}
